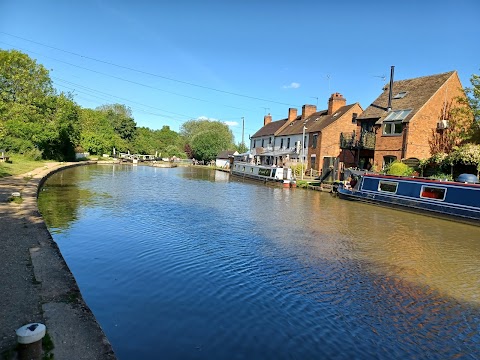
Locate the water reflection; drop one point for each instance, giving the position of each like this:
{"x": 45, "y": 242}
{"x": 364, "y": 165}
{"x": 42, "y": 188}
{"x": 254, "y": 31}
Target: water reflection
{"x": 221, "y": 269}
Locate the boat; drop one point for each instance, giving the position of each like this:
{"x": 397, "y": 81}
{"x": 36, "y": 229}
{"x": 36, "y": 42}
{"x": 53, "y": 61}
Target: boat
{"x": 454, "y": 200}
{"x": 268, "y": 174}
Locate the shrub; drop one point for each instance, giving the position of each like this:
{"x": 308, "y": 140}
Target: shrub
{"x": 399, "y": 169}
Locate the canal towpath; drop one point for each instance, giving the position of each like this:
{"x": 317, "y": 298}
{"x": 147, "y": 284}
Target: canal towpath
{"x": 36, "y": 284}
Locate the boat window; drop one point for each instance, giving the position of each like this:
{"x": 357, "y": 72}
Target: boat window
{"x": 274, "y": 172}
{"x": 432, "y": 192}
{"x": 387, "y": 186}
{"x": 251, "y": 169}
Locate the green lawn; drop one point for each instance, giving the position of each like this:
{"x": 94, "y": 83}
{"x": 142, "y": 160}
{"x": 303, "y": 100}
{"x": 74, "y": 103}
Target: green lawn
{"x": 18, "y": 165}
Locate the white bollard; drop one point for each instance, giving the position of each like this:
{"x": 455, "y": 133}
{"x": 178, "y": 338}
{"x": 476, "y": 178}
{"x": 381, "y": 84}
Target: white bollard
{"x": 29, "y": 338}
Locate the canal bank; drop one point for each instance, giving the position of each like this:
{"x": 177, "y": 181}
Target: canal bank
{"x": 36, "y": 285}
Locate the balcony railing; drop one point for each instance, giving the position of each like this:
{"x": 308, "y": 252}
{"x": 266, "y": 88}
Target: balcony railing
{"x": 349, "y": 140}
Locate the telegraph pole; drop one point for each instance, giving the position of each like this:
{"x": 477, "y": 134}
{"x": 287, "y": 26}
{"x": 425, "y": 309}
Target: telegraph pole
{"x": 243, "y": 129}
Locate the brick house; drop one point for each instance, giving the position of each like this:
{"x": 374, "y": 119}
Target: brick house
{"x": 399, "y": 124}
{"x": 320, "y": 138}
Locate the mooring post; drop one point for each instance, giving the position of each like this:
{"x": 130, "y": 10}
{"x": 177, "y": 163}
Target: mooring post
{"x": 29, "y": 338}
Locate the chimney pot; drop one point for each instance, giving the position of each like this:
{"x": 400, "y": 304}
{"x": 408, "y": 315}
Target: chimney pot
{"x": 308, "y": 110}
{"x": 267, "y": 119}
{"x": 292, "y": 114}
{"x": 335, "y": 102}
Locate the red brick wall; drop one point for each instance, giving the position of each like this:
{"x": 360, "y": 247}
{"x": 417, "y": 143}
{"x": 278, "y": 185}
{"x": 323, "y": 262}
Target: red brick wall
{"x": 418, "y": 132}
{"x": 329, "y": 140}
{"x": 422, "y": 124}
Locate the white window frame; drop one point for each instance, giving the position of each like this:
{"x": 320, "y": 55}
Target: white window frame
{"x": 386, "y": 182}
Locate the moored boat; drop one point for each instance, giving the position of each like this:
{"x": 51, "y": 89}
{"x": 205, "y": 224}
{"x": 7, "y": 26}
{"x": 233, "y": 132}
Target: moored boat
{"x": 448, "y": 199}
{"x": 278, "y": 175}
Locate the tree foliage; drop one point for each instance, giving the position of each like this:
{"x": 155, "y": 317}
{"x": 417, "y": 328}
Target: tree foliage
{"x": 206, "y": 138}
{"x": 33, "y": 118}
{"x": 120, "y": 117}
{"x": 461, "y": 127}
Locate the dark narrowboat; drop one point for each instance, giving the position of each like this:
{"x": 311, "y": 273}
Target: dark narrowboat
{"x": 459, "y": 200}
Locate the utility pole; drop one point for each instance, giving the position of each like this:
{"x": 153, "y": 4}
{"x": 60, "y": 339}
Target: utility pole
{"x": 303, "y": 147}
{"x": 243, "y": 129}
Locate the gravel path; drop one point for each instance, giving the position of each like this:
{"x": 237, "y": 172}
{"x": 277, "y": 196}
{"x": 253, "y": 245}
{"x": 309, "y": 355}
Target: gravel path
{"x": 36, "y": 284}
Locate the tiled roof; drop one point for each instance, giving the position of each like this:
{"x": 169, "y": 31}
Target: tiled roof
{"x": 270, "y": 128}
{"x": 418, "y": 92}
{"x": 225, "y": 154}
{"x": 315, "y": 122}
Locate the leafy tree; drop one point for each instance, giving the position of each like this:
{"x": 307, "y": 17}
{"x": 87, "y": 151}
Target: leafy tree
{"x": 120, "y": 116}
{"x": 460, "y": 127}
{"x": 473, "y": 94}
{"x": 22, "y": 80}
{"x": 33, "y": 118}
{"x": 206, "y": 138}
{"x": 241, "y": 148}
{"x": 97, "y": 133}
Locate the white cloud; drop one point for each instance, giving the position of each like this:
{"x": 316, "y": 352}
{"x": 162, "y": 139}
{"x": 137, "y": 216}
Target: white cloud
{"x": 206, "y": 118}
{"x": 230, "y": 123}
{"x": 293, "y": 85}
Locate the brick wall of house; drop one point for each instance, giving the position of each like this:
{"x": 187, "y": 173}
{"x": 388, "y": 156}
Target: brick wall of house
{"x": 424, "y": 123}
{"x": 419, "y": 130}
{"x": 386, "y": 145}
{"x": 329, "y": 140}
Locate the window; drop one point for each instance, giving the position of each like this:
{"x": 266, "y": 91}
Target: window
{"x": 281, "y": 143}
{"x": 288, "y": 143}
{"x": 387, "y": 160}
{"x": 387, "y": 186}
{"x": 392, "y": 128}
{"x": 270, "y": 141}
{"x": 313, "y": 160}
{"x": 254, "y": 143}
{"x": 397, "y": 115}
{"x": 432, "y": 192}
{"x": 400, "y": 95}
{"x": 314, "y": 141}
{"x": 263, "y": 142}
{"x": 305, "y": 142}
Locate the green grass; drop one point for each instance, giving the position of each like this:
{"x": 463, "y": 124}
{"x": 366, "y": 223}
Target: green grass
{"x": 19, "y": 164}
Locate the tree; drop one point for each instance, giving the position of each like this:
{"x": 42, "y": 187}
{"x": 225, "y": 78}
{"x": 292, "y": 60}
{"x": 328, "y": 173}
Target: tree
{"x": 473, "y": 94}
{"x": 460, "y": 128}
{"x": 206, "y": 138}
{"x": 22, "y": 80}
{"x": 241, "y": 148}
{"x": 97, "y": 134}
{"x": 34, "y": 120}
{"x": 120, "y": 116}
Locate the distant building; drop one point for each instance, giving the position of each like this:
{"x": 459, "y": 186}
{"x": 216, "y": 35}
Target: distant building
{"x": 223, "y": 158}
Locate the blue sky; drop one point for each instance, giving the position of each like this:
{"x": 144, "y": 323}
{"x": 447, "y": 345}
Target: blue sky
{"x": 171, "y": 61}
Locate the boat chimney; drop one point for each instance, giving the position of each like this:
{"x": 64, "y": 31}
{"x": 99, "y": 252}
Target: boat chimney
{"x": 390, "y": 90}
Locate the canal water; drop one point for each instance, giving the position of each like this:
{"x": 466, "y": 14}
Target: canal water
{"x": 187, "y": 263}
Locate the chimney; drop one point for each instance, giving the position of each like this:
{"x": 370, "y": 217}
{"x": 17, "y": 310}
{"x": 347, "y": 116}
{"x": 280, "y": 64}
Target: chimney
{"x": 335, "y": 102}
{"x": 308, "y": 110}
{"x": 267, "y": 119}
{"x": 292, "y": 114}
{"x": 389, "y": 107}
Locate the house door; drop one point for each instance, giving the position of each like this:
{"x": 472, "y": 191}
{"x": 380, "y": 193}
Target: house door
{"x": 329, "y": 163}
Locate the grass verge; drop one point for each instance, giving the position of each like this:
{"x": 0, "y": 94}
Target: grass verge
{"x": 19, "y": 164}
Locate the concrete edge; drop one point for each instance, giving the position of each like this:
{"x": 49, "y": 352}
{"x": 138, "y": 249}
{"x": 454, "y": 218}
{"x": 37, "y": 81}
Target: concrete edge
{"x": 70, "y": 322}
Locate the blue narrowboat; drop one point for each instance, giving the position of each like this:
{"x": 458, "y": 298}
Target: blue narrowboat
{"x": 459, "y": 200}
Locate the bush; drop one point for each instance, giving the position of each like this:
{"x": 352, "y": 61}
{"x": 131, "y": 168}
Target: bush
{"x": 399, "y": 169}
{"x": 441, "y": 176}
{"x": 33, "y": 154}
{"x": 297, "y": 169}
